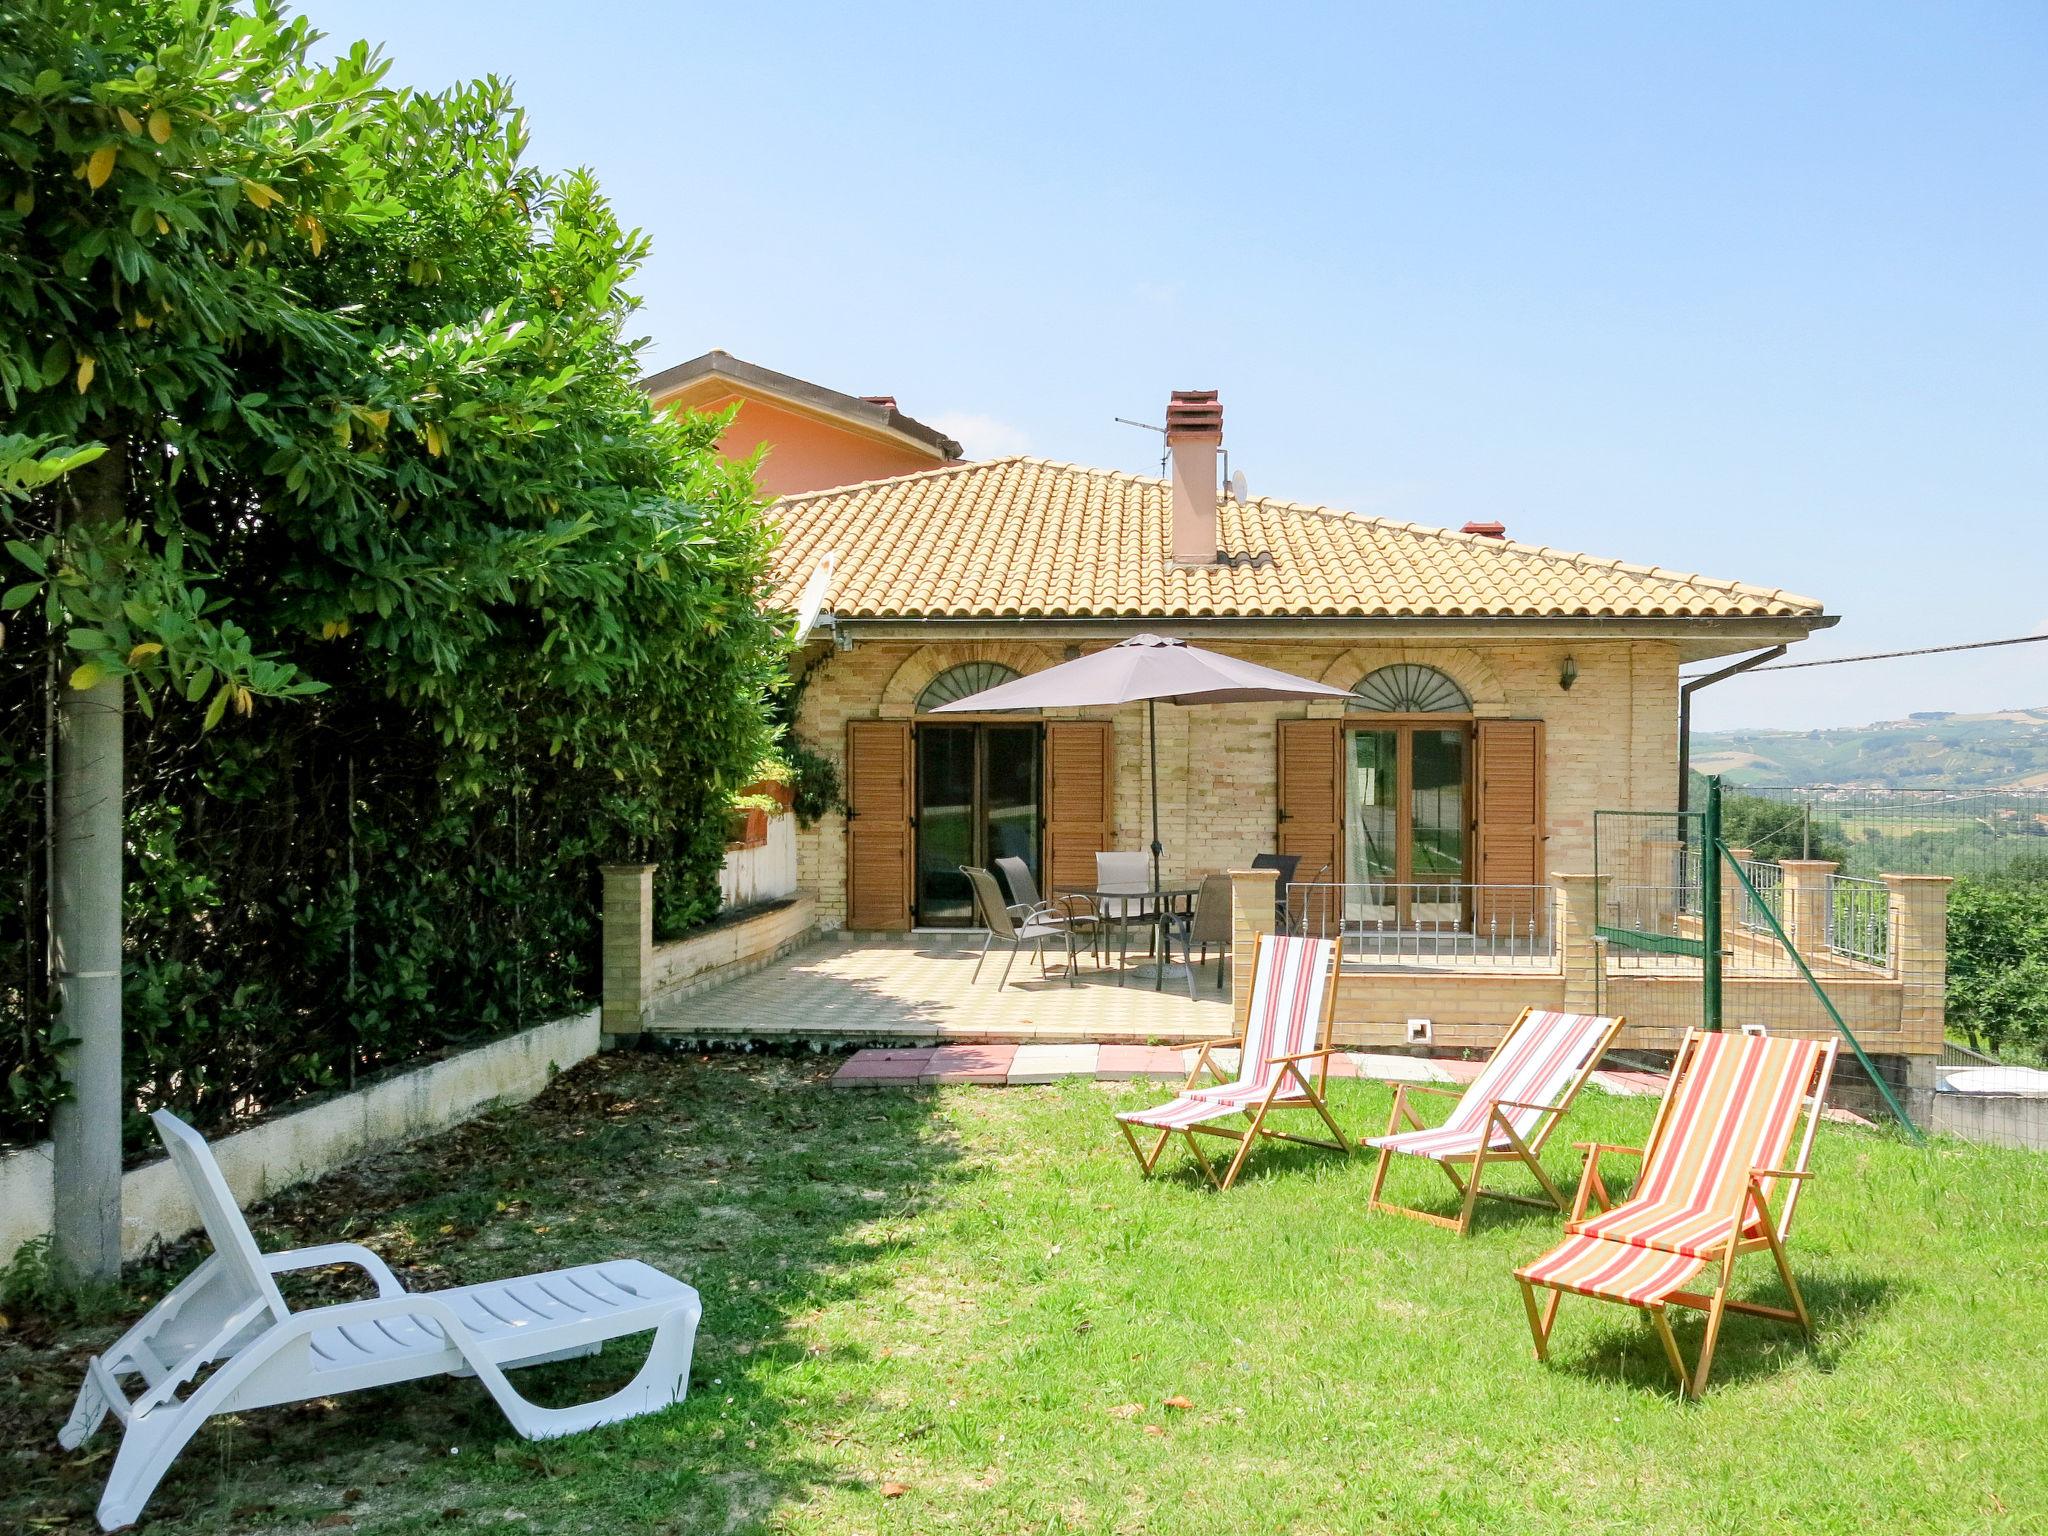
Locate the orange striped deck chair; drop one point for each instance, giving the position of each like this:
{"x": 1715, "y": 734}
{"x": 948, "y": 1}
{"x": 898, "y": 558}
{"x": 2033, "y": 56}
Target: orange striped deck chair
{"x": 1294, "y": 994}
{"x": 1715, "y": 1154}
{"x": 1505, "y": 1114}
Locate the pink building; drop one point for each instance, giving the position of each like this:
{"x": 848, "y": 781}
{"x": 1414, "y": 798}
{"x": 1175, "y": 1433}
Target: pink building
{"x": 816, "y": 437}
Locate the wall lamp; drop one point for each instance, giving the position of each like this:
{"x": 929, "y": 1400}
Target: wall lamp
{"x": 1568, "y": 674}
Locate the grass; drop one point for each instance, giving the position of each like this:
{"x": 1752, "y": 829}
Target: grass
{"x": 968, "y": 1295}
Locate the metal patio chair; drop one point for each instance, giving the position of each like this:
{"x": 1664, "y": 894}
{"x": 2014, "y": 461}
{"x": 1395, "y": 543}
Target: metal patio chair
{"x": 1125, "y": 913}
{"x": 1001, "y": 922}
{"x": 1026, "y": 905}
{"x": 1208, "y": 923}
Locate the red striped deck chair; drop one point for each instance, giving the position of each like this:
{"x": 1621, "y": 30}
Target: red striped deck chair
{"x": 1505, "y": 1114}
{"x": 1294, "y": 993}
{"x": 1716, "y": 1152}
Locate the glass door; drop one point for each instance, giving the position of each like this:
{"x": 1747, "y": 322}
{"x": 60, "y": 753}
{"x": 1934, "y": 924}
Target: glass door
{"x": 1372, "y": 838}
{"x": 1436, "y": 829}
{"x": 1009, "y": 795}
{"x": 978, "y": 800}
{"x": 1405, "y": 813}
{"x": 945, "y": 824}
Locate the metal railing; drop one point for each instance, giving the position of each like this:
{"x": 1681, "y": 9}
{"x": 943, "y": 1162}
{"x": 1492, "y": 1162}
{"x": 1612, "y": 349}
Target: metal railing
{"x": 1860, "y": 919}
{"x": 1768, "y": 881}
{"x": 1445, "y": 923}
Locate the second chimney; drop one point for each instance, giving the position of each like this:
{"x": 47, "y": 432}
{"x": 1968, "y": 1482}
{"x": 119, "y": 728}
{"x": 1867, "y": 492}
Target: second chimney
{"x": 1194, "y": 431}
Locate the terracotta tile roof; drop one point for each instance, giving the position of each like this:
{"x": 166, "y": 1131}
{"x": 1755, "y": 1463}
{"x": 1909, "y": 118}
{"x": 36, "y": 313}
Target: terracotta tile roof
{"x": 1024, "y": 537}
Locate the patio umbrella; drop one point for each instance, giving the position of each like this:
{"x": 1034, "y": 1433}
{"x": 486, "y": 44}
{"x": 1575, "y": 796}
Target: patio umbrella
{"x": 1145, "y": 668}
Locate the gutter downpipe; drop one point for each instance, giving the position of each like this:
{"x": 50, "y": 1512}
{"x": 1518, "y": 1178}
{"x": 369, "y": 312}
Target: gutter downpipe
{"x": 1685, "y": 693}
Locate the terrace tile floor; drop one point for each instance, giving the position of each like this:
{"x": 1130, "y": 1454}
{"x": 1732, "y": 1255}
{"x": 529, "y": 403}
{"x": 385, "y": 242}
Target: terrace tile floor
{"x": 921, "y": 990}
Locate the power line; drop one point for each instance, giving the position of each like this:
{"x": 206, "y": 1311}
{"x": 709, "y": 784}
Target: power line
{"x": 1928, "y": 650}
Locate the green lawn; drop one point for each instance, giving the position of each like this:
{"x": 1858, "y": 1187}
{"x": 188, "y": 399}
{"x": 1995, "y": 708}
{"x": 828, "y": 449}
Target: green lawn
{"x": 969, "y": 1293}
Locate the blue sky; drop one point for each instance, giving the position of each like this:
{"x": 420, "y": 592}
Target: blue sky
{"x": 1754, "y": 290}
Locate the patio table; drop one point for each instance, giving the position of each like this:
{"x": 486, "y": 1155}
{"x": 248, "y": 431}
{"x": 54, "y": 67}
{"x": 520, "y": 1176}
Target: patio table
{"x": 1175, "y": 898}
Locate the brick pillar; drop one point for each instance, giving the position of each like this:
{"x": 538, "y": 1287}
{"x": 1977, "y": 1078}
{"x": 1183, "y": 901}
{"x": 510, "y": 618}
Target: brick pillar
{"x": 1733, "y": 900}
{"x": 1806, "y": 905}
{"x": 1644, "y": 888}
{"x": 628, "y": 948}
{"x": 1252, "y": 894}
{"x": 1579, "y": 951}
{"x": 1919, "y": 952}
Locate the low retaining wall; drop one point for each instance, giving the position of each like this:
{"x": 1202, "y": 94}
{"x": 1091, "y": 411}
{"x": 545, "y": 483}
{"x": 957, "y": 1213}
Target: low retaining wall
{"x": 729, "y": 948}
{"x": 311, "y": 1141}
{"x": 641, "y": 977}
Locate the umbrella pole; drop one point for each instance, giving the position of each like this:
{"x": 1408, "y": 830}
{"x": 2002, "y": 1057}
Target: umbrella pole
{"x": 1158, "y": 915}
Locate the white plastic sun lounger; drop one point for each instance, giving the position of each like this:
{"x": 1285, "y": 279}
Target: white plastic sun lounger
{"x": 229, "y": 1314}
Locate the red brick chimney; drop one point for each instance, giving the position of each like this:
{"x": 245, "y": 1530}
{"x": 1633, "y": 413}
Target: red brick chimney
{"x": 1486, "y": 530}
{"x": 1194, "y": 431}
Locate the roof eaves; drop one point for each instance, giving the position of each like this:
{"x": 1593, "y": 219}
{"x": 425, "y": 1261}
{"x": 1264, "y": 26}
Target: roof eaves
{"x": 723, "y": 365}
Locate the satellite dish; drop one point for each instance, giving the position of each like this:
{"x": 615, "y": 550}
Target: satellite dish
{"x": 812, "y": 603}
{"x": 1239, "y": 490}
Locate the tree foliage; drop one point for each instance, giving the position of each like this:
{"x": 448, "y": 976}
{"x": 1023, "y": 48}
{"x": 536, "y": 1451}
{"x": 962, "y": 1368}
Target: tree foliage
{"x": 426, "y": 610}
{"x": 1998, "y": 961}
{"x": 1773, "y": 830}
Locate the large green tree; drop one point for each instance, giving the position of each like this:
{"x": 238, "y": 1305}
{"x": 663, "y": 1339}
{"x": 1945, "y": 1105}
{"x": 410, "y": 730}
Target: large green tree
{"x": 323, "y": 443}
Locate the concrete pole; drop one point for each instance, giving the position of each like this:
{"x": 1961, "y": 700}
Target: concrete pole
{"x": 85, "y": 941}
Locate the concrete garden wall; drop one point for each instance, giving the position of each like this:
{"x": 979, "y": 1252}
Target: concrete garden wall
{"x": 764, "y": 871}
{"x": 311, "y": 1141}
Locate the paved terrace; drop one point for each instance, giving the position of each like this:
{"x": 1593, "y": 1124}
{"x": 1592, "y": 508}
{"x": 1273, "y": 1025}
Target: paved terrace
{"x": 920, "y": 989}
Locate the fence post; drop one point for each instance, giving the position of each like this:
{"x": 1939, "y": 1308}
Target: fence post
{"x": 1919, "y": 956}
{"x": 628, "y": 949}
{"x": 1578, "y": 948}
{"x": 1713, "y": 920}
{"x": 1806, "y": 904}
{"x": 1252, "y": 894}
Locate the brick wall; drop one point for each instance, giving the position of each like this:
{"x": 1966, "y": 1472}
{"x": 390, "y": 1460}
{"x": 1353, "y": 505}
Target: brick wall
{"x": 1611, "y": 741}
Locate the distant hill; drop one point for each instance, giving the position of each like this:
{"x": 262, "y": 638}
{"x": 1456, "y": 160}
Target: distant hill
{"x": 1932, "y": 750}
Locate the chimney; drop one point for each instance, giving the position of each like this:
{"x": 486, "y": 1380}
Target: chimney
{"x": 1194, "y": 431}
{"x": 1486, "y": 530}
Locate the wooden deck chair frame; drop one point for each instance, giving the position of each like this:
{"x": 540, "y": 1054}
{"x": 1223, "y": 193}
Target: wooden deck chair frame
{"x": 1753, "y": 1203}
{"x": 227, "y": 1328}
{"x": 1526, "y": 1151}
{"x": 1309, "y": 1093}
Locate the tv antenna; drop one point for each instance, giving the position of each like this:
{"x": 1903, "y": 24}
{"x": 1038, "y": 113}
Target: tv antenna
{"x": 1146, "y": 426}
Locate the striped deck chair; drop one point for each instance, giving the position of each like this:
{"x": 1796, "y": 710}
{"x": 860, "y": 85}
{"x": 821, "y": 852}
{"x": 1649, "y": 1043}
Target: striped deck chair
{"x": 1294, "y": 993}
{"x": 1506, "y": 1114}
{"x": 1715, "y": 1154}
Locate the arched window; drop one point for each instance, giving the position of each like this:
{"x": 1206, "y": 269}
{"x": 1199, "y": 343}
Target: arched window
{"x": 1408, "y": 689}
{"x": 958, "y": 682}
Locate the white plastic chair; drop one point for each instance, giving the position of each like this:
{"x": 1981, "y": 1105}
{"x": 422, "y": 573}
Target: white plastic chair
{"x": 229, "y": 1314}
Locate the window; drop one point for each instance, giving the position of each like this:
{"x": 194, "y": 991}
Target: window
{"x": 1408, "y": 689}
{"x": 958, "y": 682}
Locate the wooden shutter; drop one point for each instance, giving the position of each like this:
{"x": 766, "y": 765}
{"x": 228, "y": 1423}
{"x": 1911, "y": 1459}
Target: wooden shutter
{"x": 1080, "y": 805}
{"x": 1508, "y": 816}
{"x": 1311, "y": 795}
{"x": 879, "y": 846}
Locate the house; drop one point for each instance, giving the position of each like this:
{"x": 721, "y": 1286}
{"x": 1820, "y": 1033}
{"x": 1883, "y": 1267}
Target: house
{"x": 1500, "y": 692}
{"x": 816, "y": 437}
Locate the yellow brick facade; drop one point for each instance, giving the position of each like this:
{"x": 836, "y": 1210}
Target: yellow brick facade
{"x": 1611, "y": 740}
